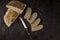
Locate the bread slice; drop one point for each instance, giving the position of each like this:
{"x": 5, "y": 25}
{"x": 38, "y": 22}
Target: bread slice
{"x": 33, "y": 20}
{"x": 15, "y": 8}
{"x": 36, "y": 28}
{"x": 10, "y": 17}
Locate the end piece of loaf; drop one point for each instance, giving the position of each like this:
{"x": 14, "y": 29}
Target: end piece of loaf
{"x": 16, "y": 6}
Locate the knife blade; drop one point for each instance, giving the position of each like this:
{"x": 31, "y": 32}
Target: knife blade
{"x": 25, "y": 26}
{"x": 23, "y": 23}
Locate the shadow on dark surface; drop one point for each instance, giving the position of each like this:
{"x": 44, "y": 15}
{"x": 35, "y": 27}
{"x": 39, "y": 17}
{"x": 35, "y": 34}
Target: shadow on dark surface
{"x": 48, "y": 12}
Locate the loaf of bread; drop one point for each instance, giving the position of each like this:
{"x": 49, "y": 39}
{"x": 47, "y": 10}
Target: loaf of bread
{"x": 15, "y": 8}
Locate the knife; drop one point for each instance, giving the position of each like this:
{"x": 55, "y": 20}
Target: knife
{"x": 25, "y": 26}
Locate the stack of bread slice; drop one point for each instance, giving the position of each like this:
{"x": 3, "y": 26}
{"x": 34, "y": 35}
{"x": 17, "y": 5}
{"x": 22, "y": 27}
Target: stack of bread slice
{"x": 33, "y": 20}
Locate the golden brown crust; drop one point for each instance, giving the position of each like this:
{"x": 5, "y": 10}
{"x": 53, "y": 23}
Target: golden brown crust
{"x": 17, "y": 4}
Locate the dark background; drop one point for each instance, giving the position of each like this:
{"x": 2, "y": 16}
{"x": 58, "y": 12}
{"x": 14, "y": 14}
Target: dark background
{"x": 49, "y": 12}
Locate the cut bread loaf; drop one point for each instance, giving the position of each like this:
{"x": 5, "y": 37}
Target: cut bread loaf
{"x": 15, "y": 8}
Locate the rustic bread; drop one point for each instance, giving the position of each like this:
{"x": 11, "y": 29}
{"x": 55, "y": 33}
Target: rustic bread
{"x": 15, "y": 8}
{"x": 10, "y": 17}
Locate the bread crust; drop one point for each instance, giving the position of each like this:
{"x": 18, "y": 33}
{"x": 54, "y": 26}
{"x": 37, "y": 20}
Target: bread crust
{"x": 15, "y": 8}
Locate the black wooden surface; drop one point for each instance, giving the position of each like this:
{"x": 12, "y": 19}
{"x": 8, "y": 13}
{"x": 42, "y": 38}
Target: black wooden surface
{"x": 48, "y": 12}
